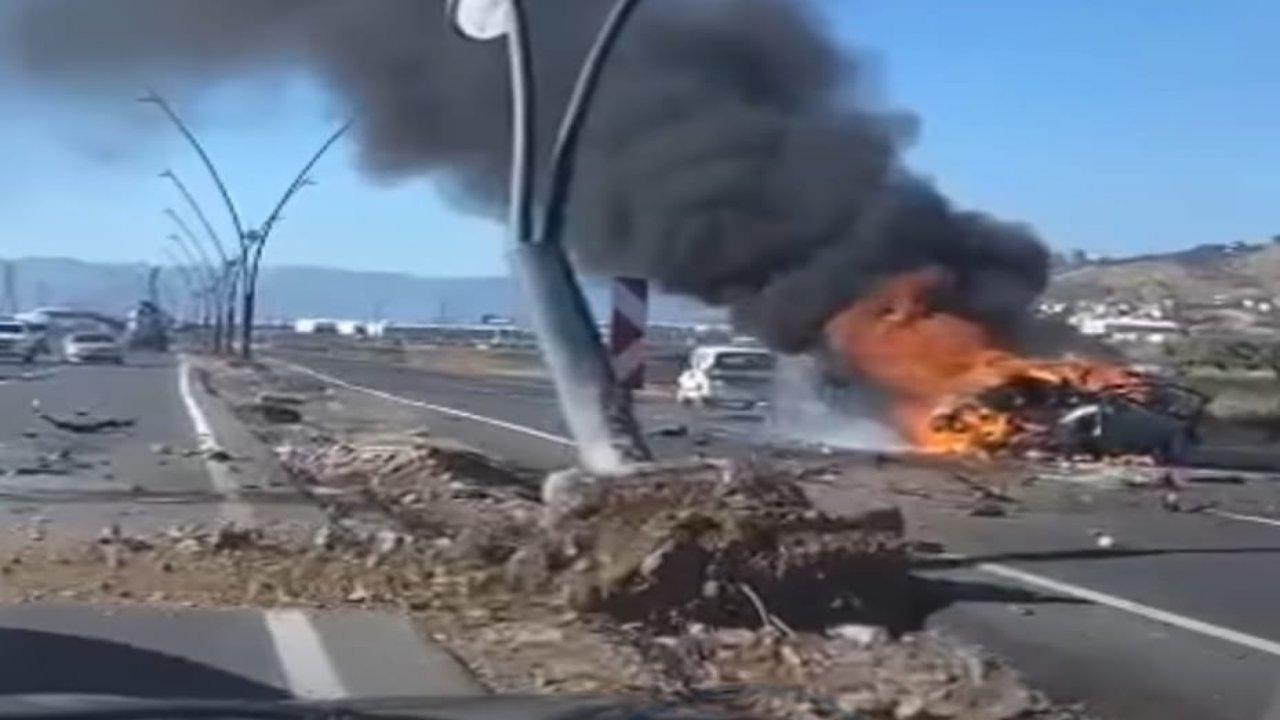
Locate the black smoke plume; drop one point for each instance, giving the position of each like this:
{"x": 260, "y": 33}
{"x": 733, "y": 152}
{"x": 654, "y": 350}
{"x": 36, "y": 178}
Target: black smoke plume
{"x": 735, "y": 154}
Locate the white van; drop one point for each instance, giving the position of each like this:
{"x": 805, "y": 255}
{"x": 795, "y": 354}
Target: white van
{"x": 726, "y": 376}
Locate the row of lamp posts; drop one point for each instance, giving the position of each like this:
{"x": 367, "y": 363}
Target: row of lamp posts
{"x": 233, "y": 279}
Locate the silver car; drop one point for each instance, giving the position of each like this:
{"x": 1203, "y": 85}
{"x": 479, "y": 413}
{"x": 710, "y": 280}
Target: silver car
{"x": 17, "y": 341}
{"x": 93, "y": 347}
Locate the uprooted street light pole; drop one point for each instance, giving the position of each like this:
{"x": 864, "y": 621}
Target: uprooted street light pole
{"x": 596, "y": 408}
{"x": 244, "y": 268}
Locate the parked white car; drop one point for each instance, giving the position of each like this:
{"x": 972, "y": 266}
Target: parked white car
{"x": 17, "y": 341}
{"x": 726, "y": 376}
{"x": 87, "y": 347}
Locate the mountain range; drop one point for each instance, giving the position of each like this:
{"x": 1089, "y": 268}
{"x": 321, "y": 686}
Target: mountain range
{"x": 1194, "y": 275}
{"x": 290, "y": 292}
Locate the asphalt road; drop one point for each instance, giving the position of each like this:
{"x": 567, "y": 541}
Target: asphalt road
{"x": 55, "y": 482}
{"x": 1178, "y": 620}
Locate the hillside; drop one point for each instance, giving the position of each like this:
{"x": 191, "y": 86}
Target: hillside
{"x": 1198, "y": 275}
{"x": 295, "y": 291}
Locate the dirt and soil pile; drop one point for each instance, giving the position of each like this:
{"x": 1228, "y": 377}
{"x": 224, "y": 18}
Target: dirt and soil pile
{"x": 714, "y": 545}
{"x": 730, "y": 548}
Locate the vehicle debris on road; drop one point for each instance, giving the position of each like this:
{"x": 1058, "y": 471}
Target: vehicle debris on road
{"x": 87, "y": 426}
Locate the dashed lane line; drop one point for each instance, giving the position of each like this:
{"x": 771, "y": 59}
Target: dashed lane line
{"x": 308, "y": 668}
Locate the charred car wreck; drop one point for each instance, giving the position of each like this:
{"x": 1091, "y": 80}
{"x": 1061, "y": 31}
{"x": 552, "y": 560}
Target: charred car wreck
{"x": 1030, "y": 416}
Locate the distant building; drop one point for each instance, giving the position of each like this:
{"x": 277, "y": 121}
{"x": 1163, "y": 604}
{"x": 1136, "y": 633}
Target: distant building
{"x": 1124, "y": 328}
{"x": 315, "y": 326}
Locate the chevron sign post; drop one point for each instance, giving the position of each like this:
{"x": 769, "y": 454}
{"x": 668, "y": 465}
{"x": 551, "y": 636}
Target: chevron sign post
{"x": 626, "y": 330}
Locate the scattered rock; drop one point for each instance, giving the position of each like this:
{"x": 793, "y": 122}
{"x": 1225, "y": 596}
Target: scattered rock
{"x": 277, "y": 414}
{"x": 670, "y": 431}
{"x": 230, "y": 536}
{"x": 217, "y": 454}
{"x": 359, "y": 594}
{"x": 281, "y": 398}
{"x": 864, "y": 636}
{"x": 988, "y": 508}
{"x": 161, "y": 449}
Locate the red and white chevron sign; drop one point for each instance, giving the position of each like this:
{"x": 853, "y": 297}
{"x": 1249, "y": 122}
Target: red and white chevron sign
{"x": 626, "y": 330}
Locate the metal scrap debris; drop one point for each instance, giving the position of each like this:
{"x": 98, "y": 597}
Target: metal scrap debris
{"x": 89, "y": 426}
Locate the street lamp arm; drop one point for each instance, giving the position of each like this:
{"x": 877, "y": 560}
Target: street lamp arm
{"x": 199, "y": 212}
{"x": 184, "y": 271}
{"x": 189, "y": 236}
{"x": 159, "y": 101}
{"x": 200, "y": 264}
{"x": 584, "y": 90}
{"x": 300, "y": 180}
{"x": 196, "y": 243}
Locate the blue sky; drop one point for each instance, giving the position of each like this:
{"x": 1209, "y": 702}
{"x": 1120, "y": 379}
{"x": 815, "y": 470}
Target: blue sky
{"x": 1118, "y": 127}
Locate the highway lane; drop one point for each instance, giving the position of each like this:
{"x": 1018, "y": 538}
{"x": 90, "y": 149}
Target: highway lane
{"x": 71, "y": 485}
{"x": 82, "y": 481}
{"x": 527, "y": 403}
{"x": 1101, "y": 631}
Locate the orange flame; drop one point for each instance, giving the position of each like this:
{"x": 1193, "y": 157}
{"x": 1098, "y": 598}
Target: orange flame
{"x": 932, "y": 364}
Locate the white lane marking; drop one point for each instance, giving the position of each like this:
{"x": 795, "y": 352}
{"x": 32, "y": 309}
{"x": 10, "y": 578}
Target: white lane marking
{"x": 531, "y": 432}
{"x": 234, "y": 508}
{"x": 308, "y": 668}
{"x": 1118, "y": 603}
{"x": 1243, "y": 517}
{"x": 1098, "y": 598}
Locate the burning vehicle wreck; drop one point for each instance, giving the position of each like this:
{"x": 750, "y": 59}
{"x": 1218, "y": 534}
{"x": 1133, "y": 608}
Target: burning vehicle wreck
{"x": 950, "y": 386}
{"x": 1041, "y": 418}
